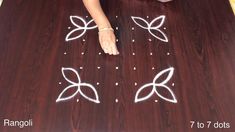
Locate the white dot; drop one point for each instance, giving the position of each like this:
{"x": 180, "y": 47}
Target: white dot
{"x": 82, "y": 53}
{"x": 116, "y": 84}
{"x": 153, "y": 68}
{"x": 116, "y": 40}
{"x": 117, "y": 68}
{"x": 65, "y": 53}
{"x": 97, "y": 83}
{"x": 86, "y": 16}
{"x": 116, "y": 28}
{"x": 77, "y": 100}
{"x": 136, "y": 84}
{"x": 60, "y": 83}
{"x": 151, "y": 53}
{"x": 168, "y": 53}
{"x": 116, "y": 16}
{"x": 69, "y": 27}
{"x": 156, "y": 101}
{"x": 173, "y": 84}
{"x": 150, "y": 40}
{"x": 133, "y": 40}
{"x": 132, "y": 28}
{"x": 164, "y": 28}
{"x": 147, "y": 16}
{"x": 133, "y": 53}
{"x": 116, "y": 100}
{"x": 134, "y": 68}
{"x": 83, "y": 40}
{"x": 98, "y": 67}
{"x": 80, "y": 68}
{"x": 99, "y": 53}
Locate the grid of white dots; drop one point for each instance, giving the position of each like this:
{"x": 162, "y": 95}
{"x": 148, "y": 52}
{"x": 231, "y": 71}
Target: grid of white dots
{"x": 134, "y": 68}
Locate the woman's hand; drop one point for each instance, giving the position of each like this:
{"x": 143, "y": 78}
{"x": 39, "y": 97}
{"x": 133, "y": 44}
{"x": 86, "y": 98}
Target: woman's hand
{"x": 107, "y": 41}
{"x": 106, "y": 36}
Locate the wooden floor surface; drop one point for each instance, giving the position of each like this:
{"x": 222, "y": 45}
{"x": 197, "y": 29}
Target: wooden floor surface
{"x": 201, "y": 49}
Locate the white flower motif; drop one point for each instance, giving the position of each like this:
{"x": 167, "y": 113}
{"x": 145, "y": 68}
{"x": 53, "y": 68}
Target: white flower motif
{"x": 78, "y": 28}
{"x": 155, "y": 86}
{"x": 150, "y": 28}
{"x": 77, "y": 86}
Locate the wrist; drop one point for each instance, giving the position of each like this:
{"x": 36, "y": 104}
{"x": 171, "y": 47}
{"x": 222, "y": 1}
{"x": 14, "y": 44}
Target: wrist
{"x": 105, "y": 29}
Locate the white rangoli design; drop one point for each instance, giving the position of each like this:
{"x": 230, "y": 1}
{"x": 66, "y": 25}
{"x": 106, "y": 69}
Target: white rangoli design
{"x": 151, "y": 28}
{"x": 83, "y": 28}
{"x": 155, "y": 86}
{"x": 77, "y": 86}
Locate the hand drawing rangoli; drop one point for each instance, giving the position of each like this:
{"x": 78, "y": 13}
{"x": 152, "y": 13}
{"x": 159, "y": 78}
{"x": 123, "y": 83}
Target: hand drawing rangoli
{"x": 155, "y": 31}
{"x": 150, "y": 28}
{"x": 155, "y": 86}
{"x": 84, "y": 28}
{"x": 77, "y": 86}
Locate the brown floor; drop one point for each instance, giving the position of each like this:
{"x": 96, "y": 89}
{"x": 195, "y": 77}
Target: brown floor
{"x": 201, "y": 48}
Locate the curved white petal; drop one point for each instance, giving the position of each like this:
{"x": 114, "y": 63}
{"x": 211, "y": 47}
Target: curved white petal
{"x": 141, "y": 19}
{"x": 1, "y": 2}
{"x": 75, "y": 24}
{"x": 63, "y": 70}
{"x": 173, "y": 100}
{"x": 69, "y": 38}
{"x": 155, "y": 86}
{"x": 161, "y": 18}
{"x": 149, "y": 27}
{"x": 164, "y": 39}
{"x": 60, "y": 98}
{"x": 92, "y": 27}
{"x": 78, "y": 85}
{"x": 96, "y": 100}
{"x": 170, "y": 72}
{"x": 137, "y": 99}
